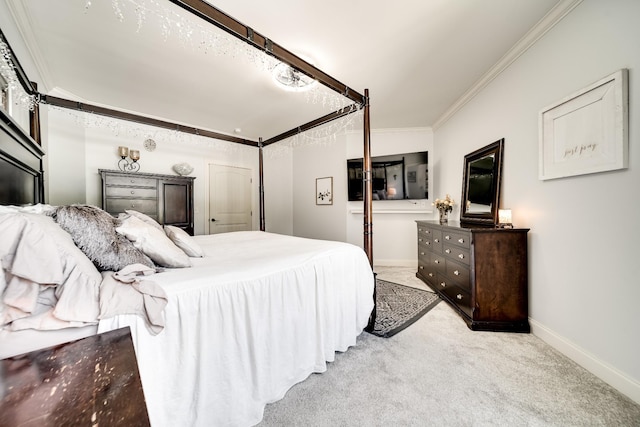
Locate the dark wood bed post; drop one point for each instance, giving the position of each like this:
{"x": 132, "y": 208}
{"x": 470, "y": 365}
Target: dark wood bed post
{"x": 261, "y": 183}
{"x": 368, "y": 197}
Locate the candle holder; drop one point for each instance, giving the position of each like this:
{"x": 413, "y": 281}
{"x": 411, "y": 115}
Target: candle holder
{"x": 129, "y": 164}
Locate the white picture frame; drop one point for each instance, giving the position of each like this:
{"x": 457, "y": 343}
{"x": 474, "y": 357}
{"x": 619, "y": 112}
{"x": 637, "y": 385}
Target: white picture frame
{"x": 586, "y": 132}
{"x": 324, "y": 191}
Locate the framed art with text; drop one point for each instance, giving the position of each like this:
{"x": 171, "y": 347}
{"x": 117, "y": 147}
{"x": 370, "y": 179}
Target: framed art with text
{"x": 587, "y": 132}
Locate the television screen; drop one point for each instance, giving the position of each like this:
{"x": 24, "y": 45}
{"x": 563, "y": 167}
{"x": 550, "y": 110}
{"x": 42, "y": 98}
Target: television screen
{"x": 394, "y": 177}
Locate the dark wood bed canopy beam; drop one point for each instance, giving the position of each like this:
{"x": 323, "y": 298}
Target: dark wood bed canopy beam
{"x": 103, "y": 111}
{"x": 237, "y": 29}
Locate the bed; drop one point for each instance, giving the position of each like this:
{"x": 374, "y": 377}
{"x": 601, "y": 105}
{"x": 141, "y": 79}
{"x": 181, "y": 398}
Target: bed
{"x": 256, "y": 314}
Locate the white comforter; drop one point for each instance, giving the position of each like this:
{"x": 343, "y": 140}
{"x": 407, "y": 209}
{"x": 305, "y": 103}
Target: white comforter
{"x": 258, "y": 314}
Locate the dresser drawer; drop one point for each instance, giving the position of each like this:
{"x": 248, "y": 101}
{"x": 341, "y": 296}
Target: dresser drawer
{"x": 457, "y": 238}
{"x": 149, "y": 207}
{"x": 132, "y": 192}
{"x": 459, "y": 273}
{"x": 456, "y": 253}
{"x": 459, "y": 297}
{"x": 131, "y": 181}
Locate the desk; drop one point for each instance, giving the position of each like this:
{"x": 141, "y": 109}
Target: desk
{"x": 90, "y": 382}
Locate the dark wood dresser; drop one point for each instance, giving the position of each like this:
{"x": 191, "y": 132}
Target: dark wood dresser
{"x": 166, "y": 198}
{"x": 481, "y": 272}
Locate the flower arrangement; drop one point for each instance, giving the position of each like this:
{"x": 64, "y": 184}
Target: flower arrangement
{"x": 445, "y": 204}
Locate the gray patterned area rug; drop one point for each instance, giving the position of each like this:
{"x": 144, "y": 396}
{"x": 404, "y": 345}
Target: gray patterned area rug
{"x": 398, "y": 306}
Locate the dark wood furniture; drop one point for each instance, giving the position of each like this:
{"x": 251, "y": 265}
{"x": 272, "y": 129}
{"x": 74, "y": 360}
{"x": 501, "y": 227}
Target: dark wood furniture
{"x": 92, "y": 381}
{"x": 166, "y": 198}
{"x": 481, "y": 272}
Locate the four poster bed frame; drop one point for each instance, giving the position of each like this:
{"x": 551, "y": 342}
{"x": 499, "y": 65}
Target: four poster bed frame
{"x": 21, "y": 165}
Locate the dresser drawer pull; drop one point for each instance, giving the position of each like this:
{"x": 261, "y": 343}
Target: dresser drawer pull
{"x": 459, "y": 296}
{"x": 448, "y": 251}
{"x": 430, "y": 274}
{"x": 460, "y": 240}
{"x": 421, "y": 253}
{"x": 419, "y": 229}
{"x": 456, "y": 273}
{"x": 436, "y": 240}
{"x": 447, "y": 237}
{"x": 444, "y": 285}
{"x": 133, "y": 181}
{"x": 133, "y": 192}
{"x": 461, "y": 256}
{"x": 419, "y": 240}
{"x": 133, "y": 205}
{"x": 421, "y": 267}
{"x": 428, "y": 242}
{"x": 437, "y": 261}
{"x": 427, "y": 232}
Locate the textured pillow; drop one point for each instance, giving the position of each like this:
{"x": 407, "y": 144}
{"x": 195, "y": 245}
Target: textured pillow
{"x": 182, "y": 240}
{"x": 93, "y": 231}
{"x": 153, "y": 242}
{"x": 146, "y": 218}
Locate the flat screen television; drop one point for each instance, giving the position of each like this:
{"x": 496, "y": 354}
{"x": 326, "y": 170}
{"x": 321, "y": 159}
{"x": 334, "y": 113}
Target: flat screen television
{"x": 394, "y": 177}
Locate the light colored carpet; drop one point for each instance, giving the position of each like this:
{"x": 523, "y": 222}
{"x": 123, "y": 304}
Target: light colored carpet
{"x": 439, "y": 373}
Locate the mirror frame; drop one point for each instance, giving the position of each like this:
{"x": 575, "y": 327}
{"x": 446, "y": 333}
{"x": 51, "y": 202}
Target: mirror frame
{"x": 489, "y": 219}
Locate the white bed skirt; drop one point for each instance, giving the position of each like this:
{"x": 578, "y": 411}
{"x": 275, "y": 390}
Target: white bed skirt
{"x": 259, "y": 314}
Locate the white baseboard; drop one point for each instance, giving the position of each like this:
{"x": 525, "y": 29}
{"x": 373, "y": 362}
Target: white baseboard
{"x": 395, "y": 263}
{"x": 625, "y": 385}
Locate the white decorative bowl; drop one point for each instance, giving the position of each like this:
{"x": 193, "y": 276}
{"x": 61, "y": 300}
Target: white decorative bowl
{"x": 183, "y": 168}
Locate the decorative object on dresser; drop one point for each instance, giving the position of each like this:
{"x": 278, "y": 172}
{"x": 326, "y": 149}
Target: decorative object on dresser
{"x": 444, "y": 206}
{"x": 481, "y": 185}
{"x": 481, "y": 272}
{"x": 182, "y": 169}
{"x": 128, "y": 160}
{"x": 168, "y": 199}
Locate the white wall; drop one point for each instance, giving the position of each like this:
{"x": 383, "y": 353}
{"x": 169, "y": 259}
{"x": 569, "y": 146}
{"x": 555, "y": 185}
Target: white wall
{"x": 80, "y": 151}
{"x": 584, "y": 276}
{"x": 278, "y": 191}
{"x": 394, "y": 227}
{"x": 394, "y": 233}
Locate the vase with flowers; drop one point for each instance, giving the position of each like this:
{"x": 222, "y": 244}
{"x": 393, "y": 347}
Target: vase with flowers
{"x": 444, "y": 206}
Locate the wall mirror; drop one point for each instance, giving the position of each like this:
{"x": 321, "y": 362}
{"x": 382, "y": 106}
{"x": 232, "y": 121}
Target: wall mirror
{"x": 481, "y": 185}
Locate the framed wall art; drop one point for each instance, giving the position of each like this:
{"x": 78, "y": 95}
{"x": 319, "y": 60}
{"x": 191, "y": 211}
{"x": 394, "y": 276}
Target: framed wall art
{"x": 588, "y": 131}
{"x": 324, "y": 191}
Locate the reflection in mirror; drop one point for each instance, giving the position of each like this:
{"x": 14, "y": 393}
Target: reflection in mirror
{"x": 480, "y": 181}
{"x": 481, "y": 185}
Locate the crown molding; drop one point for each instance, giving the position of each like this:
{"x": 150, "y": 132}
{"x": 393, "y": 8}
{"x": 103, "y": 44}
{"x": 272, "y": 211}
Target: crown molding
{"x": 25, "y": 27}
{"x": 549, "y": 21}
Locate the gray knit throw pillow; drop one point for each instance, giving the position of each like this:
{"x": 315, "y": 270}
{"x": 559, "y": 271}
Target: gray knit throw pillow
{"x": 94, "y": 232}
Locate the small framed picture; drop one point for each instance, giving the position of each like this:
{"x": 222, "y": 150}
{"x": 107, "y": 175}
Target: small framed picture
{"x": 324, "y": 191}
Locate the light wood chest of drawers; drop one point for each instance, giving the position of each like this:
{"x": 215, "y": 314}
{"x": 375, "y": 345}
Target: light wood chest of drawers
{"x": 166, "y": 198}
{"x": 481, "y": 272}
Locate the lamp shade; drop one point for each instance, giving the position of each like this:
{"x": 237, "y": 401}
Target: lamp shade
{"x": 504, "y": 216}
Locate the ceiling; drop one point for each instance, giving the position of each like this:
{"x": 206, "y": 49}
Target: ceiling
{"x": 417, "y": 60}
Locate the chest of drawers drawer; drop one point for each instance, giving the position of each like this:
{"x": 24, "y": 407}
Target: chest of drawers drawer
{"x": 148, "y": 207}
{"x": 456, "y": 253}
{"x": 132, "y": 181}
{"x": 132, "y": 192}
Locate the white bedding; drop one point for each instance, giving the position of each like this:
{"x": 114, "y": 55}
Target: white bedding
{"x": 258, "y": 314}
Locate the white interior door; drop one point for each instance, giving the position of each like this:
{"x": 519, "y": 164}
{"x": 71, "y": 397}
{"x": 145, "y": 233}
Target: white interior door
{"x": 229, "y": 199}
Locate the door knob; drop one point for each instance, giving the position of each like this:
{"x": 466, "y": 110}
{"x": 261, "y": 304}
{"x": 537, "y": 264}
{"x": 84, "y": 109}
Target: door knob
{"x": 213, "y": 219}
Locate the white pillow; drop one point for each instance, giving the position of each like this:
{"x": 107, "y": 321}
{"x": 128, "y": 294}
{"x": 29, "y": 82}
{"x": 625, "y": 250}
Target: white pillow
{"x": 146, "y": 218}
{"x": 185, "y": 242}
{"x": 153, "y": 242}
